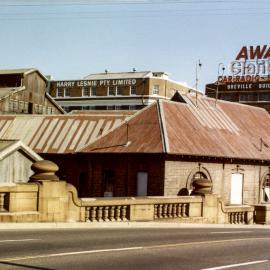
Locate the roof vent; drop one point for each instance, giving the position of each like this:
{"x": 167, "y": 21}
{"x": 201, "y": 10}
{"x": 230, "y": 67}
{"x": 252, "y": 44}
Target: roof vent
{"x": 106, "y": 71}
{"x": 134, "y": 69}
{"x": 177, "y": 97}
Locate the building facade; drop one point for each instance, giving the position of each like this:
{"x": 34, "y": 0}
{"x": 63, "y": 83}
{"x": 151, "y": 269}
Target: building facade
{"x": 115, "y": 91}
{"x": 251, "y": 91}
{"x": 247, "y": 80}
{"x": 23, "y": 91}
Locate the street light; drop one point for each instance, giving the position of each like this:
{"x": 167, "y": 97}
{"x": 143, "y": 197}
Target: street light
{"x": 198, "y": 66}
{"x": 222, "y": 68}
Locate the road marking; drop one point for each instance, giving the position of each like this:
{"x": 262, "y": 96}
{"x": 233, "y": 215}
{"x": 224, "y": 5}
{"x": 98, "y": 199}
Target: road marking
{"x": 129, "y": 249}
{"x": 18, "y": 240}
{"x": 235, "y": 265}
{"x": 231, "y": 232}
{"x": 69, "y": 253}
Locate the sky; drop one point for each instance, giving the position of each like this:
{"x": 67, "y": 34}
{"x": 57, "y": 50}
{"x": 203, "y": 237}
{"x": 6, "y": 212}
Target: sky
{"x": 70, "y": 39}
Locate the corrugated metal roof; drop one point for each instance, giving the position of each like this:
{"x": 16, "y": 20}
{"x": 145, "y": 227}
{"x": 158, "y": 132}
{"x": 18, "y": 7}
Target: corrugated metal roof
{"x": 24, "y": 71}
{"x": 7, "y": 91}
{"x": 141, "y": 134}
{"x": 118, "y": 75}
{"x": 56, "y": 133}
{"x": 16, "y": 71}
{"x": 196, "y": 128}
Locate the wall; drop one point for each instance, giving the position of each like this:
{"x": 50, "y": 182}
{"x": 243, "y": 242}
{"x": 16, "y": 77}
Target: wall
{"x": 178, "y": 175}
{"x": 15, "y": 168}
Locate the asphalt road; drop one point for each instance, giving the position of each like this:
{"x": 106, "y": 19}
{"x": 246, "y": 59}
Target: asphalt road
{"x": 138, "y": 249}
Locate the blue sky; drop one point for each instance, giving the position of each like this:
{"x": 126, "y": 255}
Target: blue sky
{"x": 69, "y": 39}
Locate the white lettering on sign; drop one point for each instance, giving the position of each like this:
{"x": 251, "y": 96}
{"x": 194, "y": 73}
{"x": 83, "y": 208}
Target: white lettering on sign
{"x": 85, "y": 83}
{"x": 239, "y": 86}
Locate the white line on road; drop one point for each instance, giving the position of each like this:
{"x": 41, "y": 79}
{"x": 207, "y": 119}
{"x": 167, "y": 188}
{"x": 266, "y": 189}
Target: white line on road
{"x": 18, "y": 240}
{"x": 132, "y": 248}
{"x": 70, "y": 253}
{"x": 231, "y": 232}
{"x": 235, "y": 265}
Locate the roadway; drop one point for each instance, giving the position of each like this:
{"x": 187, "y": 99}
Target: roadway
{"x": 135, "y": 248}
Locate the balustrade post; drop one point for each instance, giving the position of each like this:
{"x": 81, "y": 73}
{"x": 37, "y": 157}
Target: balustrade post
{"x": 118, "y": 213}
{"x": 124, "y": 213}
{"x": 165, "y": 210}
{"x": 184, "y": 209}
{"x": 111, "y": 213}
{"x": 179, "y": 209}
{"x": 87, "y": 214}
{"x": 170, "y": 210}
{"x": 155, "y": 211}
{"x": 93, "y": 214}
{"x": 174, "y": 209}
{"x": 106, "y": 213}
{"x": 99, "y": 213}
{"x": 160, "y": 211}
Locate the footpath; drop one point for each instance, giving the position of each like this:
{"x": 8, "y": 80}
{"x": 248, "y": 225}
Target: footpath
{"x": 124, "y": 225}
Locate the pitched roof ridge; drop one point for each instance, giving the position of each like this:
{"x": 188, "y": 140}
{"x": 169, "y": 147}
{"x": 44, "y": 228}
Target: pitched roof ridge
{"x": 113, "y": 129}
{"x": 162, "y": 126}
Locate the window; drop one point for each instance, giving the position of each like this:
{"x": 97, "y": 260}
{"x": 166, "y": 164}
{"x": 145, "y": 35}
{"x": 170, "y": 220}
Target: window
{"x": 25, "y": 108}
{"x": 266, "y": 188}
{"x": 94, "y": 90}
{"x": 133, "y": 90}
{"x": 119, "y": 90}
{"x": 247, "y": 97}
{"x": 59, "y": 92}
{"x": 264, "y": 97}
{"x": 111, "y": 91}
{"x": 111, "y": 107}
{"x": 117, "y": 107}
{"x": 86, "y": 91}
{"x": 67, "y": 92}
{"x": 156, "y": 89}
{"x": 132, "y": 107}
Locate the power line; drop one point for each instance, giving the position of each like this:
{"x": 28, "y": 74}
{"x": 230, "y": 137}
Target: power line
{"x": 116, "y": 2}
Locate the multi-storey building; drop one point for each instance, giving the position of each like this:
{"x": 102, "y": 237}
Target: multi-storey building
{"x": 23, "y": 91}
{"x": 255, "y": 92}
{"x": 115, "y": 91}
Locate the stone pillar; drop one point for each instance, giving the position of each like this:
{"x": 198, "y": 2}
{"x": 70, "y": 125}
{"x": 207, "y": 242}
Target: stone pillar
{"x": 53, "y": 195}
{"x": 210, "y": 208}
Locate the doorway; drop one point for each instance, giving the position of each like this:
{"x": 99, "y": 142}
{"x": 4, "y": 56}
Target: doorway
{"x": 236, "y": 188}
{"x": 142, "y": 181}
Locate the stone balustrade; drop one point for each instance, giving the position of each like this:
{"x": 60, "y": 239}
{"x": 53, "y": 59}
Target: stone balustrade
{"x": 171, "y": 210}
{"x": 238, "y": 214}
{"x": 142, "y": 208}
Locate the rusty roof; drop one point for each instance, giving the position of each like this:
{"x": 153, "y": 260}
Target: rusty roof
{"x": 56, "y": 133}
{"x": 196, "y": 127}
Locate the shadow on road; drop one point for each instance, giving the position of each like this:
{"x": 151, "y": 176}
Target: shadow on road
{"x": 25, "y": 266}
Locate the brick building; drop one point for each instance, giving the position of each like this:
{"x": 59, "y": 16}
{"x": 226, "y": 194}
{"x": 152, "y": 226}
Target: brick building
{"x": 160, "y": 151}
{"x": 115, "y": 91}
{"x": 23, "y": 91}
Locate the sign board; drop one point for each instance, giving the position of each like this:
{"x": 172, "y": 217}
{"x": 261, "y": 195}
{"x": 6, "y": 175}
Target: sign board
{"x": 96, "y": 83}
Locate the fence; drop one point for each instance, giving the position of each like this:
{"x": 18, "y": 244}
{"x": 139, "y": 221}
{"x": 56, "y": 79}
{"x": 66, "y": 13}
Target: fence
{"x": 57, "y": 201}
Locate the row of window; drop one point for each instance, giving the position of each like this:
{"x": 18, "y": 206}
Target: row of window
{"x": 110, "y": 107}
{"x": 17, "y": 106}
{"x": 246, "y": 97}
{"x": 111, "y": 91}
